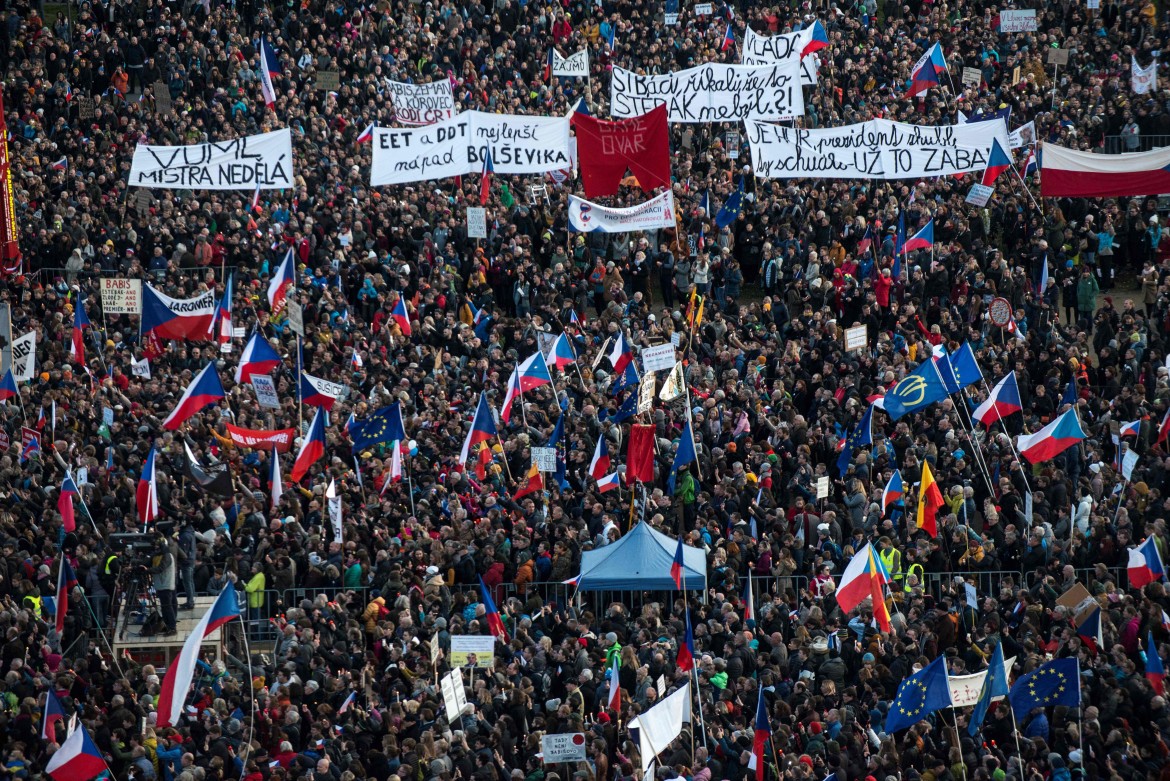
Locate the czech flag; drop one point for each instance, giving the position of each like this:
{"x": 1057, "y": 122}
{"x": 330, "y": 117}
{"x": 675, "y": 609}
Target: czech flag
{"x": 620, "y": 355}
{"x": 749, "y": 600}
{"x": 1163, "y": 428}
{"x": 312, "y": 449}
{"x": 485, "y": 179}
{"x": 492, "y": 616}
{"x": 686, "y": 649}
{"x": 61, "y": 164}
{"x": 818, "y": 40}
{"x": 930, "y": 498}
{"x": 894, "y": 490}
{"x": 923, "y": 239}
{"x": 548, "y": 65}
{"x": 258, "y": 358}
{"x": 614, "y": 702}
{"x": 223, "y": 313}
{"x": 282, "y": 280}
{"x": 609, "y": 482}
{"x": 78, "y": 759}
{"x": 317, "y": 392}
{"x": 534, "y": 483}
{"x": 269, "y": 67}
{"x": 529, "y": 375}
{"x": 1029, "y": 166}
{"x": 1131, "y": 429}
{"x": 9, "y": 390}
{"x": 1155, "y": 671}
{"x": 367, "y": 135}
{"x": 146, "y": 493}
{"x": 53, "y": 713}
{"x": 483, "y": 428}
{"x": 173, "y": 693}
{"x": 562, "y": 352}
{"x": 997, "y": 162}
{"x": 924, "y": 77}
{"x": 761, "y": 734}
{"x": 204, "y": 390}
{"x": 1090, "y": 630}
{"x": 173, "y": 318}
{"x": 399, "y": 315}
{"x": 676, "y": 566}
{"x": 66, "y": 582}
{"x": 1003, "y": 401}
{"x": 1145, "y": 564}
{"x": 65, "y": 502}
{"x": 80, "y": 323}
{"x": 1052, "y": 440}
{"x": 600, "y": 463}
{"x": 728, "y": 39}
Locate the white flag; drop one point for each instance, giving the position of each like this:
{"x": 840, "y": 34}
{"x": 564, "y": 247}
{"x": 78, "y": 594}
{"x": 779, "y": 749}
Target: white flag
{"x": 673, "y": 386}
{"x": 334, "y": 509}
{"x": 24, "y": 357}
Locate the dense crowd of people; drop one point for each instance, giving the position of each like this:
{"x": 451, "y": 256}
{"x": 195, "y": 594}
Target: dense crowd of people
{"x": 772, "y": 393}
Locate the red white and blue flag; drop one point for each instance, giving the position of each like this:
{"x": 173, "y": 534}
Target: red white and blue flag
{"x": 485, "y": 179}
{"x": 676, "y": 566}
{"x": 223, "y": 313}
{"x": 146, "y": 493}
{"x": 317, "y": 392}
{"x": 529, "y": 375}
{"x": 1003, "y": 401}
{"x": 492, "y": 616}
{"x": 78, "y": 759}
{"x": 282, "y": 279}
{"x": 599, "y": 466}
{"x": 562, "y": 352}
{"x": 749, "y": 599}
{"x": 80, "y": 323}
{"x": 1132, "y": 429}
{"x": 367, "y": 135}
{"x": 997, "y": 162}
{"x": 177, "y": 681}
{"x": 258, "y": 358}
{"x": 204, "y": 390}
{"x": 483, "y": 428}
{"x": 173, "y": 318}
{"x": 9, "y": 390}
{"x": 924, "y": 76}
{"x": 610, "y": 482}
{"x": 761, "y": 734}
{"x": 312, "y": 448}
{"x": 614, "y": 701}
{"x": 728, "y": 39}
{"x": 1155, "y": 670}
{"x": 923, "y": 239}
{"x": 66, "y": 582}
{"x": 400, "y": 315}
{"x": 894, "y": 490}
{"x": 1052, "y": 440}
{"x": 1089, "y": 630}
{"x": 53, "y": 713}
{"x": 818, "y": 39}
{"x": 686, "y": 649}
{"x": 269, "y": 67}
{"x": 65, "y": 502}
{"x": 620, "y": 355}
{"x": 1145, "y": 564}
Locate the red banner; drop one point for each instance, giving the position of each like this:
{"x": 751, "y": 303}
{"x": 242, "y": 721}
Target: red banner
{"x": 640, "y": 458}
{"x": 605, "y": 150}
{"x": 281, "y": 439}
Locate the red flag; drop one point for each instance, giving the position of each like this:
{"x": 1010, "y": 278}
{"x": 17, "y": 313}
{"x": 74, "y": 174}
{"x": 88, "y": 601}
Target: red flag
{"x": 640, "y": 458}
{"x": 606, "y": 150}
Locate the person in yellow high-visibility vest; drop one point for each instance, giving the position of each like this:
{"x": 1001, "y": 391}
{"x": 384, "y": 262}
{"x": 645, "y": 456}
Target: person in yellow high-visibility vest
{"x": 891, "y": 558}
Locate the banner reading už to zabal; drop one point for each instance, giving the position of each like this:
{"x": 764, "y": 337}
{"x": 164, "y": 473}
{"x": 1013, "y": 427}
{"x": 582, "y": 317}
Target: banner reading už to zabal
{"x": 767, "y": 49}
{"x": 421, "y": 104}
{"x": 264, "y": 161}
{"x": 878, "y": 149}
{"x": 655, "y": 214}
{"x": 458, "y": 146}
{"x": 712, "y": 92}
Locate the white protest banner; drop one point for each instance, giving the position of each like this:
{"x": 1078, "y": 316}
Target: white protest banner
{"x": 658, "y": 358}
{"x": 1024, "y": 135}
{"x": 856, "y": 338}
{"x": 435, "y": 647}
{"x": 574, "y": 66}
{"x": 589, "y": 217}
{"x": 704, "y": 9}
{"x": 1144, "y": 79}
{"x": 140, "y": 368}
{"x": 646, "y": 395}
{"x": 421, "y": 104}
{"x": 473, "y": 651}
{"x": 972, "y": 77}
{"x": 454, "y": 695}
{"x": 264, "y": 161}
{"x": 24, "y": 357}
{"x": 545, "y": 458}
{"x": 335, "y": 511}
{"x": 265, "y": 390}
{"x": 712, "y": 93}
{"x": 121, "y": 296}
{"x": 296, "y": 317}
{"x": 965, "y": 689}
{"x": 878, "y": 149}
{"x": 458, "y": 146}
{"x": 567, "y": 747}
{"x": 476, "y": 222}
{"x": 822, "y": 487}
{"x": 766, "y": 50}
{"x": 1017, "y": 21}
{"x": 979, "y": 195}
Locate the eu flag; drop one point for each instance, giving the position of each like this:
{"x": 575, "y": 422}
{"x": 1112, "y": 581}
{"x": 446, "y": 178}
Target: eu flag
{"x": 918, "y": 389}
{"x": 627, "y": 410}
{"x": 920, "y": 695}
{"x": 385, "y": 425}
{"x": 861, "y": 436}
{"x": 994, "y": 685}
{"x": 966, "y": 367}
{"x": 731, "y": 208}
{"x": 1056, "y": 683}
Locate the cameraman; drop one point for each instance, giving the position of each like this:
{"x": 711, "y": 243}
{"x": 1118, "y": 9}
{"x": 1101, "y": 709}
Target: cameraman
{"x": 164, "y": 570}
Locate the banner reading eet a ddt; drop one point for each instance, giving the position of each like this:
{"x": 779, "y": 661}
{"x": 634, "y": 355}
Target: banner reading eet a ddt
{"x": 263, "y": 161}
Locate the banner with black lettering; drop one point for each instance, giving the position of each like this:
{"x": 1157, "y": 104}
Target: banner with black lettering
{"x": 878, "y": 149}
{"x": 575, "y": 66}
{"x": 24, "y": 357}
{"x": 765, "y": 50}
{"x": 263, "y": 161}
{"x": 421, "y": 104}
{"x": 458, "y": 146}
{"x": 654, "y": 214}
{"x": 712, "y": 93}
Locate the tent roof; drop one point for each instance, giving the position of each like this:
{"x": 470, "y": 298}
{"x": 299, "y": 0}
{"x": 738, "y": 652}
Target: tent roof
{"x": 640, "y": 561}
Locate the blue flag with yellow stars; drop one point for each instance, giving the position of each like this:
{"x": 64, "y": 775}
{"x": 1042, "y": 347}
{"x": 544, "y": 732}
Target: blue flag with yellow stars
{"x": 861, "y": 436}
{"x": 1056, "y": 683}
{"x": 385, "y": 425}
{"x": 994, "y": 685}
{"x": 920, "y": 695}
{"x": 920, "y": 388}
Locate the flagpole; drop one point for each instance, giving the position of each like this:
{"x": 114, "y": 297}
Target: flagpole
{"x": 84, "y": 506}
{"x": 300, "y": 396}
{"x": 1080, "y": 712}
{"x": 958, "y": 740}
{"x": 1016, "y": 728}
{"x": 252, "y": 691}
{"x": 409, "y": 482}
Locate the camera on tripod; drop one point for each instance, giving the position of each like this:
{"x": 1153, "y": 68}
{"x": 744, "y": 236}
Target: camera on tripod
{"x": 134, "y": 593}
